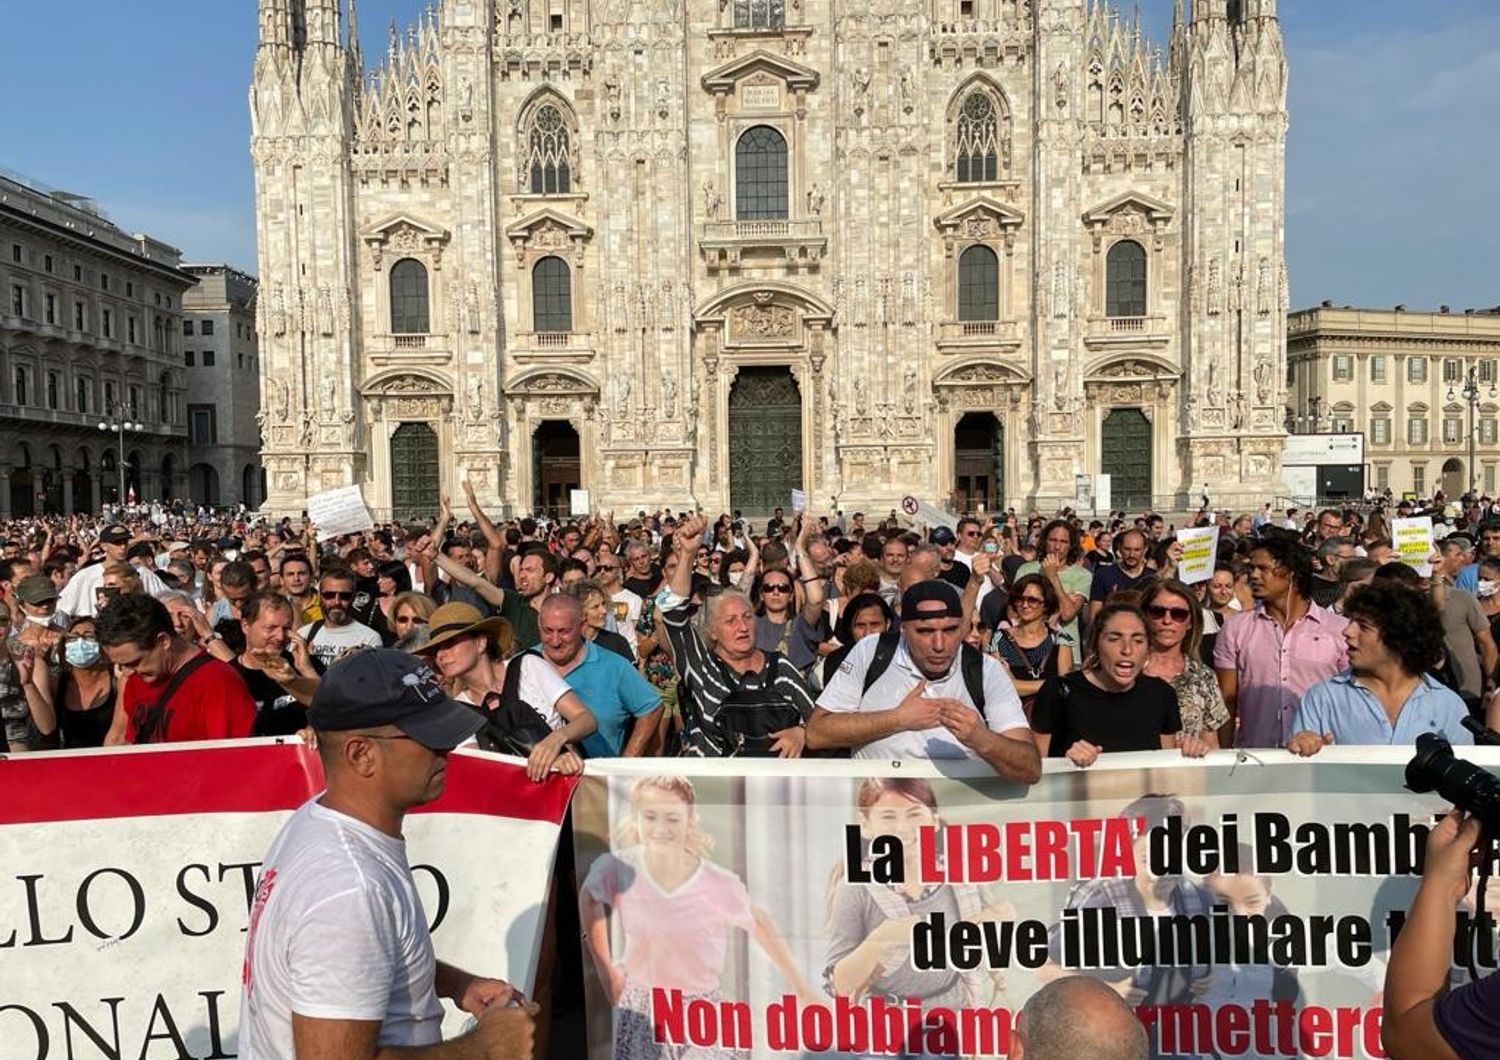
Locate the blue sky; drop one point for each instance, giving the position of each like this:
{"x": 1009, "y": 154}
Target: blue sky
{"x": 1392, "y": 154}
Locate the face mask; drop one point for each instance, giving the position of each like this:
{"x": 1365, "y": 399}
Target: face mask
{"x": 39, "y": 620}
{"x": 1486, "y": 588}
{"x": 735, "y": 577}
{"x": 82, "y": 652}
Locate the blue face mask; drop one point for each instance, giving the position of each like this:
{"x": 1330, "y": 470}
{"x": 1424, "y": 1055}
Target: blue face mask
{"x": 82, "y": 652}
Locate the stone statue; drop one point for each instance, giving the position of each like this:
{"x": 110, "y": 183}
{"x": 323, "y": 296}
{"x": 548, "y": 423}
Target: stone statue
{"x": 1060, "y": 386}
{"x": 862, "y": 79}
{"x": 1061, "y": 296}
{"x": 909, "y": 389}
{"x": 622, "y": 395}
{"x": 1212, "y": 394}
{"x": 280, "y": 399}
{"x": 1262, "y": 374}
{"x": 906, "y": 88}
{"x": 815, "y": 201}
{"x": 329, "y": 398}
{"x": 471, "y": 308}
{"x": 1215, "y": 293}
{"x": 476, "y": 397}
{"x": 711, "y": 200}
{"x": 1237, "y": 410}
{"x": 861, "y": 396}
{"x": 1263, "y": 293}
{"x": 278, "y": 312}
{"x": 668, "y": 396}
{"x": 325, "y": 310}
{"x": 1060, "y": 85}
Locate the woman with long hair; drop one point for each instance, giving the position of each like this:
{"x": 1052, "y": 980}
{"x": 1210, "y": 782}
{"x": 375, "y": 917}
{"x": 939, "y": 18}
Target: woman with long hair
{"x": 85, "y": 691}
{"x": 1174, "y": 628}
{"x": 674, "y": 909}
{"x": 594, "y": 602}
{"x": 391, "y": 580}
{"x": 1026, "y": 643}
{"x": 864, "y": 615}
{"x": 869, "y": 925}
{"x": 1111, "y": 704}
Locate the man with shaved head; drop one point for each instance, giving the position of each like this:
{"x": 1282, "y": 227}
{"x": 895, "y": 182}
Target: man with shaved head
{"x": 619, "y": 697}
{"x": 1078, "y": 1018}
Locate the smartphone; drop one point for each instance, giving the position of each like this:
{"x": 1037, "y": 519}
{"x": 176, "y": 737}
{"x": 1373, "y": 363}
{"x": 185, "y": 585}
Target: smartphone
{"x": 991, "y": 546}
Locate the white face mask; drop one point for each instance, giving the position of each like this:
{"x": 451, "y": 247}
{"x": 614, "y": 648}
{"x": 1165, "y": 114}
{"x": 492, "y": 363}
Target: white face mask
{"x": 735, "y": 577}
{"x": 1486, "y": 588}
{"x": 39, "y": 620}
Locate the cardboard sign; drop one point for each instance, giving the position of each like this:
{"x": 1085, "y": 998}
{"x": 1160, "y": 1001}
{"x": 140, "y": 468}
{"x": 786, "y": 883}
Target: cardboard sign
{"x": 1413, "y": 539}
{"x": 1200, "y": 550}
{"x": 338, "y": 512}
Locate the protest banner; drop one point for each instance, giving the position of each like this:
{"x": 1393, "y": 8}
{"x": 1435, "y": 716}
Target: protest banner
{"x": 1413, "y": 540}
{"x": 578, "y": 503}
{"x": 339, "y": 511}
{"x": 129, "y": 874}
{"x": 1200, "y": 551}
{"x": 776, "y": 909}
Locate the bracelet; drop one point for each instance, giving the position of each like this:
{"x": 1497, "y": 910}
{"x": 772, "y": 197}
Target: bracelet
{"x": 814, "y": 578}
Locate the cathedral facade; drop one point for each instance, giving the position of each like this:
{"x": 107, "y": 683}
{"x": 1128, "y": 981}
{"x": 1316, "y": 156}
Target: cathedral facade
{"x": 707, "y": 251}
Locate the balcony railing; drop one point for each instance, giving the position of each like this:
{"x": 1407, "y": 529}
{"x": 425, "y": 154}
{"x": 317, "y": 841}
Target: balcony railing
{"x": 763, "y": 229}
{"x": 410, "y": 342}
{"x": 553, "y": 339}
{"x": 978, "y": 332}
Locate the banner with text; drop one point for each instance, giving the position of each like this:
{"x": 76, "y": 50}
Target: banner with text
{"x": 873, "y": 909}
{"x": 129, "y": 875}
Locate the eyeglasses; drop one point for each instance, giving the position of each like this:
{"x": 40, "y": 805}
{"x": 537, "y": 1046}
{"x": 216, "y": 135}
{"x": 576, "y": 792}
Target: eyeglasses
{"x": 1161, "y": 611}
{"x": 1037, "y": 600}
{"x": 325, "y": 594}
{"x": 776, "y": 588}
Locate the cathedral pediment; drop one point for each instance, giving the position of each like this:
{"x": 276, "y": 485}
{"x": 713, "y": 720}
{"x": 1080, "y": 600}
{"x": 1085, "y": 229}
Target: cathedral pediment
{"x": 1136, "y": 367}
{"x": 547, "y": 231}
{"x": 403, "y": 234}
{"x": 981, "y": 373}
{"x": 763, "y": 64}
{"x": 981, "y": 217}
{"x": 1153, "y": 210}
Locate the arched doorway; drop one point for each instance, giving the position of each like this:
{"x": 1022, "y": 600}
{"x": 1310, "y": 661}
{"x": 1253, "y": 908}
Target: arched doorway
{"x": 109, "y": 478}
{"x": 414, "y": 472}
{"x": 252, "y": 493}
{"x": 133, "y": 477}
{"x": 555, "y": 466}
{"x": 1125, "y": 456}
{"x": 168, "y": 473}
{"x": 1455, "y": 483}
{"x": 83, "y": 484}
{"x": 203, "y": 485}
{"x": 765, "y": 440}
{"x": 978, "y": 463}
{"x": 22, "y": 483}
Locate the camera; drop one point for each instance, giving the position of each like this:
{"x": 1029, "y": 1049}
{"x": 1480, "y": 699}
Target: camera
{"x": 1436, "y": 768}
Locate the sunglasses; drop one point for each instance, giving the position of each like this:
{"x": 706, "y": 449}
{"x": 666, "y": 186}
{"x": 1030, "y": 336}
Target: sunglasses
{"x": 1031, "y": 600}
{"x": 335, "y": 596}
{"x": 1176, "y": 614}
{"x": 776, "y": 588}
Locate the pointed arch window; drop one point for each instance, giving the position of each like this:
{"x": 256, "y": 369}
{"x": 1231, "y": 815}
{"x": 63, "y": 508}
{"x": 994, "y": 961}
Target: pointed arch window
{"x": 409, "y": 298}
{"x": 551, "y": 295}
{"x": 759, "y": 14}
{"x": 760, "y": 189}
{"x": 548, "y": 155}
{"x": 1125, "y": 280}
{"x": 979, "y": 284}
{"x": 977, "y": 140}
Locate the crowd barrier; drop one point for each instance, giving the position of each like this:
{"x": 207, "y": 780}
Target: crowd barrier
{"x": 747, "y": 907}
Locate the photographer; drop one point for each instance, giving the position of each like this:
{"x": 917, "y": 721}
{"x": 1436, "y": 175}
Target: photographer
{"x": 1423, "y": 1020}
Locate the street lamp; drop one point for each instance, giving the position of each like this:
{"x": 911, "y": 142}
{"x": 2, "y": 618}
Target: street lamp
{"x": 115, "y": 420}
{"x": 1470, "y": 394}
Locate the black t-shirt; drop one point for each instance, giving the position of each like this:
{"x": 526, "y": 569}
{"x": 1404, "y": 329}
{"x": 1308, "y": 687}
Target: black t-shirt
{"x": 1116, "y": 721}
{"x": 992, "y": 608}
{"x": 1113, "y": 579}
{"x": 958, "y": 574}
{"x": 611, "y": 641}
{"x": 645, "y": 587}
{"x": 1097, "y": 559}
{"x": 277, "y": 712}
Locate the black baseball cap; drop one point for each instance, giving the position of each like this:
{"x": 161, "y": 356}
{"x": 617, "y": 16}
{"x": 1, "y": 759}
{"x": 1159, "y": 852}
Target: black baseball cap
{"x": 383, "y": 686}
{"x": 918, "y": 600}
{"x": 942, "y": 536}
{"x": 114, "y": 534}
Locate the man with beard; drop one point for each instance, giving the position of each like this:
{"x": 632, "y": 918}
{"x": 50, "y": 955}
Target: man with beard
{"x": 337, "y": 633}
{"x": 1127, "y": 574}
{"x": 536, "y": 578}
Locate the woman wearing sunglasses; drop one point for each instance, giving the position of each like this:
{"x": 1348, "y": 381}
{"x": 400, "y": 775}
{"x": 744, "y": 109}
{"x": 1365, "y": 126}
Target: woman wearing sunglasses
{"x": 1174, "y": 628}
{"x": 1030, "y": 649}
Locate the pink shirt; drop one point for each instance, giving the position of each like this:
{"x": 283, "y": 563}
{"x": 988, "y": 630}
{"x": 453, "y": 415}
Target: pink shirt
{"x": 1274, "y": 667}
{"x": 673, "y": 939}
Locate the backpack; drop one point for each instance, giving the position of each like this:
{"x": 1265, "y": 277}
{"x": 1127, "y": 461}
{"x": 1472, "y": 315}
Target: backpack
{"x": 971, "y": 662}
{"x": 748, "y": 720}
{"x": 513, "y": 726}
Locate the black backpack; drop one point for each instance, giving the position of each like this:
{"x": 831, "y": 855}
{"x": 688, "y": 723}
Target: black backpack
{"x": 971, "y": 662}
{"x": 512, "y": 726}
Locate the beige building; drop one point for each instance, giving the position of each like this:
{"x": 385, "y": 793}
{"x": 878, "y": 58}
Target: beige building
{"x": 1403, "y": 380}
{"x": 221, "y": 360}
{"x": 706, "y": 252}
{"x": 89, "y": 335}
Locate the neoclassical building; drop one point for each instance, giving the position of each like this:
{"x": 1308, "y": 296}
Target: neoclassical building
{"x": 707, "y": 252}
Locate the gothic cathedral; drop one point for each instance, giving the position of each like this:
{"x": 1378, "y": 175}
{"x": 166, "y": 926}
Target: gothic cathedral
{"x": 703, "y": 252}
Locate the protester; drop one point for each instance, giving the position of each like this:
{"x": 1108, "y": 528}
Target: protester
{"x": 1386, "y": 696}
{"x": 337, "y": 634}
{"x": 595, "y": 603}
{"x": 1128, "y": 573}
{"x": 339, "y": 961}
{"x": 1076, "y": 1017}
{"x": 922, "y": 694}
{"x": 1174, "y": 627}
{"x": 80, "y": 596}
{"x": 1062, "y": 565}
{"x": 1026, "y": 644}
{"x": 275, "y": 665}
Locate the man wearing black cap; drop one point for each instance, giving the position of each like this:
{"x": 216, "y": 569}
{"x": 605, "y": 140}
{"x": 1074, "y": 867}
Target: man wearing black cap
{"x": 339, "y": 961}
{"x": 951, "y": 571}
{"x": 78, "y": 597}
{"x": 919, "y": 704}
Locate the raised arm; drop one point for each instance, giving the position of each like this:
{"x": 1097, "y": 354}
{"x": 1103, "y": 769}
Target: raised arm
{"x": 685, "y": 544}
{"x": 492, "y": 593}
{"x": 493, "y": 539}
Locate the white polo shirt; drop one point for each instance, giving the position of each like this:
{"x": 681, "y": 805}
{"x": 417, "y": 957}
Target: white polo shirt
{"x": 844, "y": 695}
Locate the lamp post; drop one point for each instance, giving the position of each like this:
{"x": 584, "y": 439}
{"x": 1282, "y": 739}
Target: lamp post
{"x": 1470, "y": 393}
{"x": 115, "y": 420}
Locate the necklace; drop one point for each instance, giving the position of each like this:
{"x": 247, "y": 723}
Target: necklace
{"x": 1033, "y": 664}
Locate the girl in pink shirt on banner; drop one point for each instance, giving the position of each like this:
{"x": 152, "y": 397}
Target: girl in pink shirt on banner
{"x": 673, "y": 909}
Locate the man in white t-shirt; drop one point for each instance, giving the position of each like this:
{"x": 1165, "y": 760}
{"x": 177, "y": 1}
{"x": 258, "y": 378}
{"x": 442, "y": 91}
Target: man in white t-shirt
{"x": 470, "y": 649}
{"x": 78, "y": 596}
{"x": 624, "y": 605}
{"x": 920, "y": 705}
{"x": 338, "y": 960}
{"x": 336, "y": 634}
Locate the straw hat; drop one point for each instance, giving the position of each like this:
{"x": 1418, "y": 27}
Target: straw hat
{"x": 461, "y": 620}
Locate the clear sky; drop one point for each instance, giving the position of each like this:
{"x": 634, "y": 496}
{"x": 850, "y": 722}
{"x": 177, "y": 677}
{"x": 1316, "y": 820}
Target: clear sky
{"x": 1393, "y": 156}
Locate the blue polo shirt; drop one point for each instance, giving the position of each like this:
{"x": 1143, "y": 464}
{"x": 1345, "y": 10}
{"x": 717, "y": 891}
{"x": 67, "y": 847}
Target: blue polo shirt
{"x": 614, "y": 690}
{"x": 1351, "y": 712}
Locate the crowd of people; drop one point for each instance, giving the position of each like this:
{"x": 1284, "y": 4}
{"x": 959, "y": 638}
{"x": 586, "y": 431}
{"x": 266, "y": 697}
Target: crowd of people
{"x": 1008, "y": 638}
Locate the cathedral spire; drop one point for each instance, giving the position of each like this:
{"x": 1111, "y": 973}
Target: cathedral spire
{"x": 275, "y": 24}
{"x": 357, "y": 59}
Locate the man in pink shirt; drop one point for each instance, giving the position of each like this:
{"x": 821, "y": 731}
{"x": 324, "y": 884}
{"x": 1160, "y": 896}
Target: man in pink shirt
{"x": 1266, "y": 658}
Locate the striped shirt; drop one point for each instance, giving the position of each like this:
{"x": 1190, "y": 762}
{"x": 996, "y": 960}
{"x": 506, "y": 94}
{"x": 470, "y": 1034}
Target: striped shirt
{"x": 709, "y": 681}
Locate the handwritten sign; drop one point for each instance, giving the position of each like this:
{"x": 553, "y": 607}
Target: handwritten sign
{"x": 799, "y": 500}
{"x": 578, "y": 503}
{"x": 338, "y": 512}
{"x": 1200, "y": 551}
{"x": 1413, "y": 538}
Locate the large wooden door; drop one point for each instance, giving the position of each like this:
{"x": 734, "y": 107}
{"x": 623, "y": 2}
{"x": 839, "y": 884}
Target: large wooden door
{"x": 555, "y": 468}
{"x": 765, "y": 440}
{"x": 1125, "y": 457}
{"x": 414, "y": 473}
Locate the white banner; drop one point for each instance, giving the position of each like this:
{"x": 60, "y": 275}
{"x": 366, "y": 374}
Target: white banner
{"x": 340, "y": 511}
{"x": 1413, "y": 541}
{"x": 129, "y": 873}
{"x": 1200, "y": 551}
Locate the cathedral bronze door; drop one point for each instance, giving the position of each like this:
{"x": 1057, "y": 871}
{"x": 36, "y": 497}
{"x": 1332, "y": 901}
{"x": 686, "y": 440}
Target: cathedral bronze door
{"x": 978, "y": 463}
{"x": 765, "y": 440}
{"x": 1125, "y": 457}
{"x": 414, "y": 473}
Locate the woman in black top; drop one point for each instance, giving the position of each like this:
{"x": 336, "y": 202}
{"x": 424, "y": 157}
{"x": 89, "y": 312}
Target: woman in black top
{"x": 863, "y": 615}
{"x": 1110, "y": 705}
{"x": 1026, "y": 643}
{"x": 86, "y": 690}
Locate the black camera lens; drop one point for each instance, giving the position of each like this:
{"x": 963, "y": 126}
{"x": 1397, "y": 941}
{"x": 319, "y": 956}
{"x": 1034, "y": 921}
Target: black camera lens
{"x": 1435, "y": 768}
